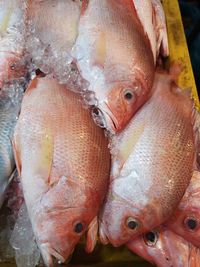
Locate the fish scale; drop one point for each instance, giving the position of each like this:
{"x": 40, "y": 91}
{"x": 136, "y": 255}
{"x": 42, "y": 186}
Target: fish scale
{"x": 9, "y": 111}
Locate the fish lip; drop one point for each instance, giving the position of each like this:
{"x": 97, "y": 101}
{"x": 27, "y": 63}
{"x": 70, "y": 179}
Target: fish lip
{"x": 111, "y": 122}
{"x": 48, "y": 253}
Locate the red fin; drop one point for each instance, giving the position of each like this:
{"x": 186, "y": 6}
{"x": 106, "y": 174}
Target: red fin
{"x": 91, "y": 236}
{"x": 17, "y": 157}
{"x": 32, "y": 85}
{"x": 84, "y": 6}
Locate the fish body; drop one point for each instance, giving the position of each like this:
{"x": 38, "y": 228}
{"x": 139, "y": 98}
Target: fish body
{"x": 12, "y": 38}
{"x": 152, "y": 164}
{"x": 10, "y": 101}
{"x": 63, "y": 160}
{"x": 114, "y": 55}
{"x": 185, "y": 220}
{"x": 51, "y": 50}
{"x": 165, "y": 248}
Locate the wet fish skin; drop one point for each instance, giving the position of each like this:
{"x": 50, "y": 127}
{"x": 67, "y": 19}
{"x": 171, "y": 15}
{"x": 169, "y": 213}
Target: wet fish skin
{"x": 152, "y": 164}
{"x": 186, "y": 218}
{"x": 165, "y": 248}
{"x": 10, "y": 102}
{"x": 70, "y": 161}
{"x": 114, "y": 55}
{"x": 12, "y": 40}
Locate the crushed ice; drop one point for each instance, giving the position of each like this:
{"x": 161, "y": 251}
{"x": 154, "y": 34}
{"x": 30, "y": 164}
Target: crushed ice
{"x": 23, "y": 242}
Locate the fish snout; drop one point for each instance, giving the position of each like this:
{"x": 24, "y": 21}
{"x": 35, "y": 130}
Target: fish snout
{"x": 49, "y": 255}
{"x": 104, "y": 118}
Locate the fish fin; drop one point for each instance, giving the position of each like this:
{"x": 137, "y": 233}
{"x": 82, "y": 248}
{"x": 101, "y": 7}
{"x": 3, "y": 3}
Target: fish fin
{"x": 92, "y": 235}
{"x": 32, "y": 85}
{"x": 42, "y": 161}
{"x": 127, "y": 147}
{"x": 160, "y": 27}
{"x": 12, "y": 176}
{"x": 17, "y": 157}
{"x": 99, "y": 56}
{"x": 84, "y": 6}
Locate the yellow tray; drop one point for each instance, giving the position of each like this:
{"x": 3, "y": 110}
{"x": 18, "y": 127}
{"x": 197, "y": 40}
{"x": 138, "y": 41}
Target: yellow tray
{"x": 107, "y": 256}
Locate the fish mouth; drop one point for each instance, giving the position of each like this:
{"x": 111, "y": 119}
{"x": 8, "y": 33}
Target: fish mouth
{"x": 104, "y": 118}
{"x": 48, "y": 255}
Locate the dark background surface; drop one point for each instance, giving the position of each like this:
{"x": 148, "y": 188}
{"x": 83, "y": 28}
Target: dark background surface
{"x": 190, "y": 11}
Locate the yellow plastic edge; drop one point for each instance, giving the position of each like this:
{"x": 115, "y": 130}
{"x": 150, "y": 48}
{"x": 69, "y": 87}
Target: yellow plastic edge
{"x": 178, "y": 49}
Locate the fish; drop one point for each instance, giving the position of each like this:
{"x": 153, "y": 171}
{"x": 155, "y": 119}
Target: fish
{"x": 152, "y": 162}
{"x": 12, "y": 40}
{"x": 185, "y": 220}
{"x": 63, "y": 160}
{"x": 51, "y": 50}
{"x": 152, "y": 18}
{"x": 10, "y": 103}
{"x": 164, "y": 248}
{"x": 114, "y": 56}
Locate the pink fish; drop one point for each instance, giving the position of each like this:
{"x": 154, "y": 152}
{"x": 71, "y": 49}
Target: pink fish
{"x": 63, "y": 161}
{"x": 114, "y": 55}
{"x": 152, "y": 164}
{"x": 12, "y": 33}
{"x": 165, "y": 249}
{"x": 186, "y": 219}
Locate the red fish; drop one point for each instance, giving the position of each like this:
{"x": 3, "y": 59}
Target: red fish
{"x": 152, "y": 164}
{"x": 114, "y": 55}
{"x": 63, "y": 160}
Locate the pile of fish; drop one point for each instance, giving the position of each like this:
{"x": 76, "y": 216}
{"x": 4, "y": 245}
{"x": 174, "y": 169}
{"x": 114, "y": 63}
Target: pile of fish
{"x": 105, "y": 144}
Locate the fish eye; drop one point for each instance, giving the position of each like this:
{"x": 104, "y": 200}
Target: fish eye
{"x": 129, "y": 95}
{"x": 78, "y": 228}
{"x": 150, "y": 238}
{"x": 132, "y": 223}
{"x": 191, "y": 223}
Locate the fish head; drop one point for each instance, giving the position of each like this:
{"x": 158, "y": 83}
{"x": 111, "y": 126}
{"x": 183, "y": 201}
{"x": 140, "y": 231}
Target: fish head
{"x": 63, "y": 215}
{"x": 121, "y": 103}
{"x": 186, "y": 223}
{"x": 186, "y": 219}
{"x": 165, "y": 248}
{"x": 117, "y": 225}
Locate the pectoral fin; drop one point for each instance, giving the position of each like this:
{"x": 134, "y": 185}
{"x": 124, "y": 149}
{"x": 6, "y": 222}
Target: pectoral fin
{"x": 92, "y": 235}
{"x": 17, "y": 157}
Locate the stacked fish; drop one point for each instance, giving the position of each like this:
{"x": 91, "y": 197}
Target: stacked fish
{"x": 105, "y": 143}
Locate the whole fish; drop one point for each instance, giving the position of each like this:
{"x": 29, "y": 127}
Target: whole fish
{"x": 186, "y": 219}
{"x": 12, "y": 40}
{"x": 165, "y": 249}
{"x": 10, "y": 102}
{"x": 50, "y": 49}
{"x": 64, "y": 161}
{"x": 152, "y": 164}
{"x": 152, "y": 18}
{"x": 114, "y": 55}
